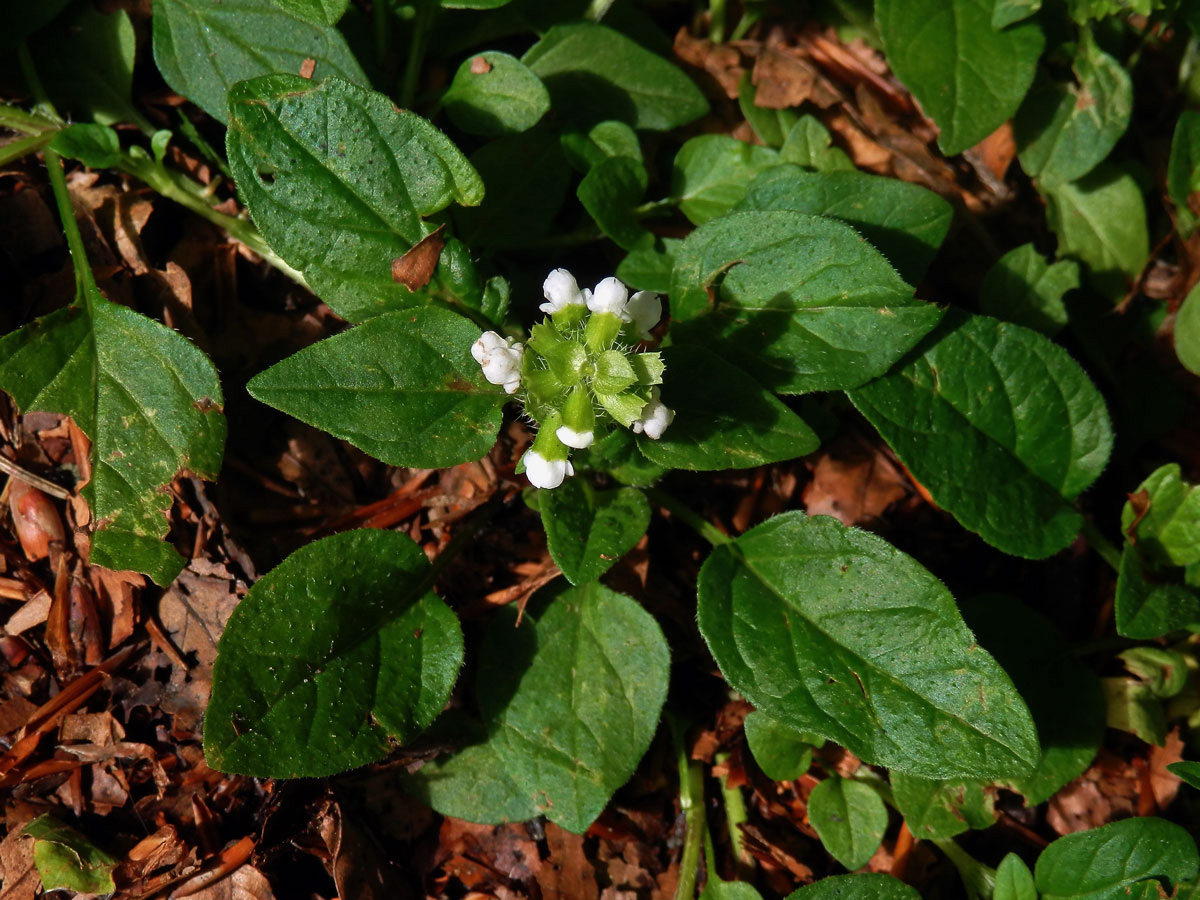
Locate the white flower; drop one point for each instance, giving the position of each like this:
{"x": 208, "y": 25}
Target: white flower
{"x": 580, "y": 440}
{"x": 654, "y": 419}
{"x": 645, "y": 309}
{"x": 561, "y": 290}
{"x": 500, "y": 360}
{"x": 546, "y": 473}
{"x": 610, "y": 296}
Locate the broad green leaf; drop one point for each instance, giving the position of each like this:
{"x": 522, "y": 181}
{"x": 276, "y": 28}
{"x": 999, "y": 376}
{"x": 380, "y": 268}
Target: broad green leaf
{"x": 1062, "y": 692}
{"x": 96, "y": 146}
{"x": 648, "y": 266}
{"x": 339, "y": 182}
{"x": 242, "y": 39}
{"x": 771, "y": 125}
{"x": 863, "y": 886}
{"x": 801, "y": 301}
{"x": 604, "y": 140}
{"x": 402, "y": 387}
{"x": 1187, "y": 331}
{"x": 849, "y": 818}
{"x": 1063, "y": 130}
{"x": 1014, "y": 881}
{"x": 319, "y": 12}
{"x": 1151, "y": 602}
{"x": 833, "y": 631}
{"x": 334, "y": 655}
{"x": 810, "y": 145}
{"x": 67, "y": 860}
{"x": 493, "y": 93}
{"x": 1023, "y": 288}
{"x": 526, "y": 176}
{"x": 1000, "y": 425}
{"x": 1163, "y": 671}
{"x": 723, "y": 418}
{"x": 1006, "y": 12}
{"x": 1100, "y": 220}
{"x": 711, "y": 173}
{"x": 717, "y": 889}
{"x": 1187, "y": 770}
{"x": 935, "y": 810}
{"x": 1104, "y": 863}
{"x": 149, "y": 401}
{"x": 609, "y": 192}
{"x": 618, "y": 455}
{"x": 903, "y": 221}
{"x": 553, "y": 693}
{"x": 1183, "y": 170}
{"x": 595, "y": 73}
{"x": 1165, "y": 522}
{"x": 968, "y": 76}
{"x": 782, "y": 752}
{"x": 88, "y": 68}
{"x": 587, "y": 530}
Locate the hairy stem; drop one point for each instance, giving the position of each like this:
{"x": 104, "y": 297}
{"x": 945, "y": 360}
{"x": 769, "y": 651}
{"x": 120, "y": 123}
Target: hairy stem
{"x": 691, "y": 801}
{"x": 688, "y": 516}
{"x": 1102, "y": 545}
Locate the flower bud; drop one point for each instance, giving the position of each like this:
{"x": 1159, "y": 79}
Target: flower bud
{"x": 654, "y": 419}
{"x": 645, "y": 309}
{"x": 500, "y": 360}
{"x": 579, "y": 420}
{"x": 610, "y": 296}
{"x": 561, "y": 291}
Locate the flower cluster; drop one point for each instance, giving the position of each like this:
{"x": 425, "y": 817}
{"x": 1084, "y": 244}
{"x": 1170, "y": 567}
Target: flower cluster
{"x": 578, "y": 371}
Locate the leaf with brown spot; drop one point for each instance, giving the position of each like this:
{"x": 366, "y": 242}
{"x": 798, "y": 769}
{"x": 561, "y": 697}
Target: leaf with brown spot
{"x": 416, "y": 267}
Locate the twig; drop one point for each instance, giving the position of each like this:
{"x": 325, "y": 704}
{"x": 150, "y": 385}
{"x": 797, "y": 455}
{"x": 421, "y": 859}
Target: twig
{"x": 46, "y": 487}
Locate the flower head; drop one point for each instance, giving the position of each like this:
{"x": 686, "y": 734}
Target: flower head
{"x": 500, "y": 360}
{"x": 546, "y": 473}
{"x": 654, "y": 419}
{"x": 610, "y": 296}
{"x": 645, "y": 309}
{"x": 561, "y": 290}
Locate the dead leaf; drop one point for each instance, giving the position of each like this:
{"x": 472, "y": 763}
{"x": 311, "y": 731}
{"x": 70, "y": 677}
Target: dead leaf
{"x": 244, "y": 883}
{"x": 307, "y": 67}
{"x": 1163, "y": 783}
{"x": 567, "y": 872}
{"x": 20, "y": 878}
{"x": 720, "y": 61}
{"x": 784, "y": 78}
{"x": 416, "y": 267}
{"x": 853, "y": 482}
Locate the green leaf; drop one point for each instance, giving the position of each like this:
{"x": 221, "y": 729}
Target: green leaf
{"x": 339, "y": 182}
{"x": 1183, "y": 170}
{"x": 609, "y": 192}
{"x": 602, "y": 141}
{"x": 587, "y": 530}
{"x": 905, "y": 222}
{"x": 711, "y": 173}
{"x": 1023, "y": 288}
{"x": 149, "y": 401}
{"x": 402, "y": 387}
{"x": 1063, "y": 130}
{"x": 835, "y": 632}
{"x": 771, "y": 125}
{"x": 66, "y": 859}
{"x": 493, "y": 93}
{"x": 810, "y": 145}
{"x": 1187, "y": 771}
{"x": 1150, "y": 603}
{"x": 526, "y": 176}
{"x": 647, "y": 267}
{"x": 1014, "y": 881}
{"x": 802, "y": 301}
{"x": 92, "y": 64}
{"x": 935, "y": 809}
{"x": 1165, "y": 524}
{"x": 1006, "y": 12}
{"x": 595, "y": 73}
{"x": 1102, "y": 864}
{"x": 723, "y": 418}
{"x": 1100, "y": 220}
{"x": 717, "y": 889}
{"x": 96, "y": 146}
{"x": 618, "y": 455}
{"x": 319, "y": 12}
{"x": 553, "y": 692}
{"x": 1000, "y": 425}
{"x": 242, "y": 39}
{"x": 969, "y": 77}
{"x": 863, "y": 886}
{"x": 333, "y": 655}
{"x": 849, "y": 818}
{"x": 1187, "y": 331}
{"x": 782, "y": 752}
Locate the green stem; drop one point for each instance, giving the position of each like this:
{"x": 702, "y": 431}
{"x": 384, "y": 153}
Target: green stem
{"x": 716, "y": 21}
{"x": 654, "y": 206}
{"x": 31, "y": 143}
{"x": 597, "y": 9}
{"x": 425, "y": 11}
{"x": 735, "y": 816}
{"x": 980, "y": 880}
{"x": 691, "y": 801}
{"x": 745, "y": 24}
{"x": 16, "y": 119}
{"x": 1102, "y": 545}
{"x": 689, "y": 517}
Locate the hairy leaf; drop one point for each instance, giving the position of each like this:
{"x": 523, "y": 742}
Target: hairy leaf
{"x": 711, "y": 173}
{"x": 609, "y": 192}
{"x": 1023, "y": 288}
{"x": 587, "y": 530}
{"x": 863, "y": 886}
{"x": 782, "y": 752}
{"x": 849, "y": 818}
{"x": 493, "y": 93}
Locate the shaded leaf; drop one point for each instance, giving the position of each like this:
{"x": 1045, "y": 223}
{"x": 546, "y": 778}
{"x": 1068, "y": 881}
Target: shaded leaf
{"x": 92, "y": 57}
{"x": 588, "y": 530}
{"x": 339, "y": 181}
{"x": 1183, "y": 170}
{"x": 711, "y": 173}
{"x": 319, "y": 12}
{"x": 324, "y": 664}
{"x": 863, "y": 886}
{"x": 1000, "y": 425}
{"x": 66, "y": 859}
{"x": 782, "y": 752}
{"x": 96, "y": 146}
{"x": 1151, "y": 603}
{"x": 1023, "y": 288}
{"x": 1014, "y": 881}
{"x": 648, "y": 266}
{"x": 1187, "y": 332}
{"x": 609, "y": 192}
{"x": 849, "y": 818}
{"x": 493, "y": 93}
{"x": 1006, "y": 12}
{"x": 809, "y": 144}
{"x": 402, "y": 387}
{"x": 1165, "y": 521}
{"x": 835, "y": 632}
{"x": 935, "y": 810}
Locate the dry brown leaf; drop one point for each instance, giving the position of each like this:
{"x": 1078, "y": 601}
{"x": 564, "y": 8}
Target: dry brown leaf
{"x": 416, "y": 267}
{"x": 29, "y": 614}
{"x": 1108, "y": 790}
{"x": 307, "y": 68}
{"x": 783, "y": 78}
{"x": 20, "y": 878}
{"x": 721, "y": 61}
{"x": 853, "y": 482}
{"x": 566, "y": 872}
{"x": 244, "y": 883}
{"x": 1163, "y": 783}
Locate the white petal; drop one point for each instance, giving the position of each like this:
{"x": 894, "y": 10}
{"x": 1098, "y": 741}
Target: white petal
{"x": 645, "y": 309}
{"x": 580, "y": 440}
{"x": 546, "y": 473}
{"x": 560, "y": 290}
{"x": 610, "y": 296}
